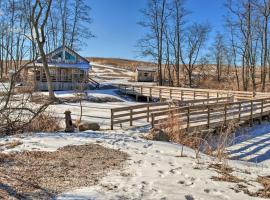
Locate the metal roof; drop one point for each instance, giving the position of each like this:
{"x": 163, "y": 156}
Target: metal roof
{"x": 146, "y": 69}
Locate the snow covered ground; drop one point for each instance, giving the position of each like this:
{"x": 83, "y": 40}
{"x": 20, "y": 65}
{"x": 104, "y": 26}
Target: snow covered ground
{"x": 252, "y": 145}
{"x": 154, "y": 170}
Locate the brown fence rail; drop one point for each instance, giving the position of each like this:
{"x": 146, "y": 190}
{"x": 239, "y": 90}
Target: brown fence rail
{"x": 181, "y": 94}
{"x": 130, "y": 114}
{"x": 211, "y": 116}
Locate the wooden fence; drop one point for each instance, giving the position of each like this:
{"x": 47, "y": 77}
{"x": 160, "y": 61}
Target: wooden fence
{"x": 212, "y": 116}
{"x": 181, "y": 94}
{"x": 131, "y": 114}
{"x": 134, "y": 113}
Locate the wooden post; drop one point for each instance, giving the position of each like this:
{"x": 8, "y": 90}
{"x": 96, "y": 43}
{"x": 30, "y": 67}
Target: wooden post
{"x": 188, "y": 117}
{"x": 148, "y": 113}
{"x": 150, "y": 92}
{"x": 131, "y": 117}
{"x": 208, "y": 116}
{"x": 261, "y": 117}
{"x": 160, "y": 97}
{"x": 251, "y": 113}
{"x": 170, "y": 93}
{"x": 112, "y": 119}
{"x": 182, "y": 95}
{"x": 133, "y": 89}
{"x": 153, "y": 120}
{"x": 239, "y": 111}
{"x": 208, "y": 96}
{"x": 68, "y": 121}
{"x": 141, "y": 91}
{"x": 148, "y": 99}
{"x": 225, "y": 113}
{"x": 194, "y": 94}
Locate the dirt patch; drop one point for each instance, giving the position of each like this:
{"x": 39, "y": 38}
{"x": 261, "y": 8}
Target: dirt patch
{"x": 42, "y": 175}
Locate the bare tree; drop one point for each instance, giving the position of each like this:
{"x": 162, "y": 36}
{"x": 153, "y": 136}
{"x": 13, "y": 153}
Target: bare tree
{"x": 152, "y": 44}
{"x": 218, "y": 49}
{"x": 178, "y": 13}
{"x": 195, "y": 38}
{"x": 39, "y": 16}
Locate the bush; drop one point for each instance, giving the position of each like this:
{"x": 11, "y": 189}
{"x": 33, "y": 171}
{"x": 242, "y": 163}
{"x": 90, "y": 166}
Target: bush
{"x": 44, "y": 122}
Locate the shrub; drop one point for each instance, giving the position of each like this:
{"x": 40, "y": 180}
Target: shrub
{"x": 44, "y": 122}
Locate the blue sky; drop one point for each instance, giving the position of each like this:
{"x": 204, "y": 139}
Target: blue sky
{"x": 116, "y": 29}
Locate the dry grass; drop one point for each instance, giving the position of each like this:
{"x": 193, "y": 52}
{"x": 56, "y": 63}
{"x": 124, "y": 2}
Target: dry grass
{"x": 225, "y": 174}
{"x": 13, "y": 144}
{"x": 44, "y": 122}
{"x": 171, "y": 130}
{"x": 265, "y": 181}
{"x": 121, "y": 63}
{"x": 43, "y": 175}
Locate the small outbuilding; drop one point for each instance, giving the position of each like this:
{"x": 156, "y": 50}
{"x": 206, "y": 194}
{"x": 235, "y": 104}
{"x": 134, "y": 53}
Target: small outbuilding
{"x": 146, "y": 74}
{"x": 67, "y": 68}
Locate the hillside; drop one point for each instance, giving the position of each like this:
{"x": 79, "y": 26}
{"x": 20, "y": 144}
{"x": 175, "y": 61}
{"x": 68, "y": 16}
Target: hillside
{"x": 121, "y": 63}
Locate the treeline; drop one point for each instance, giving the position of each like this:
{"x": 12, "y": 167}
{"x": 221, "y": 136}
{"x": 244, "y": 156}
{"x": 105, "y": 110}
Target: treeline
{"x": 180, "y": 48}
{"x": 67, "y": 24}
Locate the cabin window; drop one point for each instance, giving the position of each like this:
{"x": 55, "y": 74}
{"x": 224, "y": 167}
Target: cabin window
{"x": 58, "y": 56}
{"x": 69, "y": 57}
{"x": 66, "y": 75}
{"x": 53, "y": 74}
{"x": 146, "y": 74}
{"x": 78, "y": 75}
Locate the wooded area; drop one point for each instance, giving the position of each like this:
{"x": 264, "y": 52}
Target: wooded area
{"x": 240, "y": 54}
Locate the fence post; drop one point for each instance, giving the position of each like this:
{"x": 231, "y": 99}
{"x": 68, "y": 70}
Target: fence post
{"x": 131, "y": 117}
{"x": 181, "y": 95}
{"x": 148, "y": 113}
{"x": 112, "y": 119}
{"x": 170, "y": 93}
{"x": 239, "y": 111}
{"x": 225, "y": 113}
{"x": 153, "y": 120}
{"x": 188, "y": 117}
{"x": 150, "y": 92}
{"x": 208, "y": 96}
{"x": 251, "y": 113}
{"x": 194, "y": 94}
{"x": 262, "y": 102}
{"x": 160, "y": 97}
{"x": 208, "y": 116}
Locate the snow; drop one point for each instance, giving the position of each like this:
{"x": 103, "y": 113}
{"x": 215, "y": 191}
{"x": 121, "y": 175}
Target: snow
{"x": 154, "y": 170}
{"x": 252, "y": 144}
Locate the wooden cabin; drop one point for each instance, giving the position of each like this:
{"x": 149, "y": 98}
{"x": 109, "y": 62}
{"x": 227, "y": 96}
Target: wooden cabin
{"x": 68, "y": 70}
{"x": 146, "y": 74}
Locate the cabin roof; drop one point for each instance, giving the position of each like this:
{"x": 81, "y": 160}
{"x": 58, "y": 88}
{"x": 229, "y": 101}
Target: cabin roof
{"x": 62, "y": 48}
{"x": 81, "y": 64}
{"x": 65, "y": 65}
{"x": 146, "y": 69}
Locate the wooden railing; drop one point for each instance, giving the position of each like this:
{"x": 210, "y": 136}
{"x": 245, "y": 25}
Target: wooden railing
{"x": 131, "y": 114}
{"x": 211, "y": 116}
{"x": 175, "y": 93}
